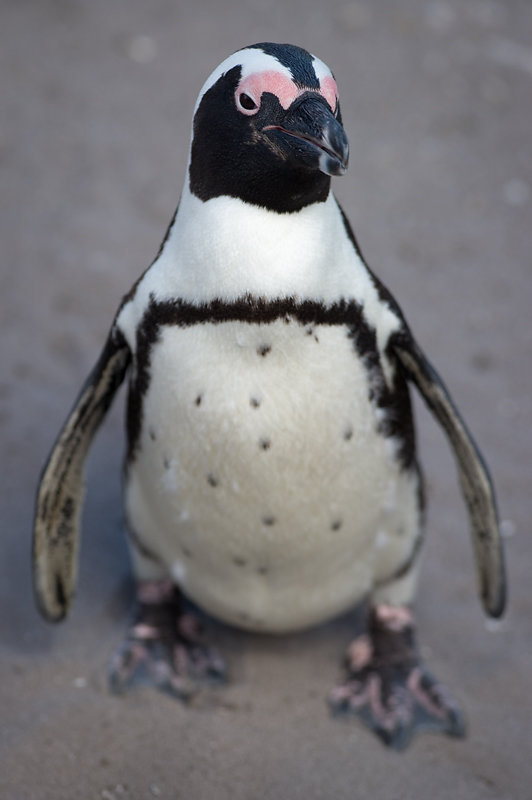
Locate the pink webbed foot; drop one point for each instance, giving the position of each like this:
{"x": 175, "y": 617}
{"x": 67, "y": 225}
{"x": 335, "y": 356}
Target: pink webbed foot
{"x": 389, "y": 689}
{"x": 164, "y": 647}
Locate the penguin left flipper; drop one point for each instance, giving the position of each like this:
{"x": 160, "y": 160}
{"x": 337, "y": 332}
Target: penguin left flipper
{"x": 60, "y": 495}
{"x": 475, "y": 481}
{"x": 389, "y": 688}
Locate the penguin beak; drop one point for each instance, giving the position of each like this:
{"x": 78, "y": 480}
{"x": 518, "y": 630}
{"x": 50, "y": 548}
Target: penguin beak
{"x": 312, "y": 135}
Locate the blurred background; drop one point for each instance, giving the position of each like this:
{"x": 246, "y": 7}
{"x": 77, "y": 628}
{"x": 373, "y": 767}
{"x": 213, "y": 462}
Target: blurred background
{"x": 96, "y": 101}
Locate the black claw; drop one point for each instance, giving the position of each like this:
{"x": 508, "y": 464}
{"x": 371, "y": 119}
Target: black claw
{"x": 396, "y": 740}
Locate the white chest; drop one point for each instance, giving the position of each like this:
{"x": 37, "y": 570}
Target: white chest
{"x": 260, "y": 479}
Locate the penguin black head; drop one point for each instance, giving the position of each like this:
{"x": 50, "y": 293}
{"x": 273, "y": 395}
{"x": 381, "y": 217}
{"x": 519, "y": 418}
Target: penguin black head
{"x": 267, "y": 129}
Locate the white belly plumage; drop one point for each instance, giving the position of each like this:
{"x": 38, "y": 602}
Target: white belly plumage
{"x": 260, "y": 481}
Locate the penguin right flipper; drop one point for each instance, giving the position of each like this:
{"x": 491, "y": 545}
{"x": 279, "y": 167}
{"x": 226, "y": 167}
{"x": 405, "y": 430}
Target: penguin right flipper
{"x": 60, "y": 494}
{"x": 475, "y": 480}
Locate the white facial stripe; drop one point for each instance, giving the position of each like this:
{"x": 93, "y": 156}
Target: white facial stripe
{"x": 328, "y": 86}
{"x": 254, "y": 61}
{"x": 321, "y": 69}
{"x": 251, "y": 60}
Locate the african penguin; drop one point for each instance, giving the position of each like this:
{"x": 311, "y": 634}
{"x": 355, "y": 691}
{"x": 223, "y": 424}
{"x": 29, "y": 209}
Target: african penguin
{"x": 271, "y": 473}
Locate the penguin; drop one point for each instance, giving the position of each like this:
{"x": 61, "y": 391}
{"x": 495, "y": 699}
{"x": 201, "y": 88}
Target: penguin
{"x": 271, "y": 474}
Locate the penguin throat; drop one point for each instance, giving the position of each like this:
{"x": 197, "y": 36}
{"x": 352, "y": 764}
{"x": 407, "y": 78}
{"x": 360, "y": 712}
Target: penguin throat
{"x": 282, "y": 190}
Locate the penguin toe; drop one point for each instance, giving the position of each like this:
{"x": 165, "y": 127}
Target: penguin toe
{"x": 390, "y": 690}
{"x": 396, "y": 708}
{"x": 166, "y": 648}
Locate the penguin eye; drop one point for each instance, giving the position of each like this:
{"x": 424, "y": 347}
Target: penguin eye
{"x": 247, "y": 103}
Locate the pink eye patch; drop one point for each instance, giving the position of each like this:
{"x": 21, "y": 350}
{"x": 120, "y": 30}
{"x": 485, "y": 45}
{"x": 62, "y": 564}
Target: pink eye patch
{"x": 282, "y": 87}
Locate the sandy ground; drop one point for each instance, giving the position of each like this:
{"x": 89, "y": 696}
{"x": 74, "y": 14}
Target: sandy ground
{"x": 96, "y": 104}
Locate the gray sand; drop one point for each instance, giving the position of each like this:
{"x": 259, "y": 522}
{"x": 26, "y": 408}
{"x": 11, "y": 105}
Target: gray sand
{"x": 97, "y": 99}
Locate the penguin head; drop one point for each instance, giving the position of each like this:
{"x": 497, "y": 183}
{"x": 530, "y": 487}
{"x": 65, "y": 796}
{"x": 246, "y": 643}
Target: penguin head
{"x": 267, "y": 129}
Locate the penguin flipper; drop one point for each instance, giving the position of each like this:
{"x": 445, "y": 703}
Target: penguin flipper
{"x": 475, "y": 480}
{"x": 60, "y": 493}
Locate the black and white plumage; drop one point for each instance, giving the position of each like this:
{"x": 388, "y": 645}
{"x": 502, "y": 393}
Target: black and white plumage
{"x": 271, "y": 470}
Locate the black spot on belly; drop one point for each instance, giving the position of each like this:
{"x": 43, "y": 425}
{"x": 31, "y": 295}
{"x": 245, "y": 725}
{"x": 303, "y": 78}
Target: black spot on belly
{"x": 166, "y": 462}
{"x": 269, "y": 520}
{"x": 239, "y": 561}
{"x": 198, "y": 400}
{"x": 336, "y": 524}
{"x": 263, "y": 570}
{"x": 186, "y": 552}
{"x": 264, "y": 349}
{"x": 254, "y": 402}
{"x": 212, "y": 480}
{"x": 265, "y": 443}
{"x": 153, "y": 435}
{"x": 348, "y": 434}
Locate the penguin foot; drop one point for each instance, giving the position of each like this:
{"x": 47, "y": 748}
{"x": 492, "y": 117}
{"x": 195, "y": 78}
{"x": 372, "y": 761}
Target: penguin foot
{"x": 389, "y": 689}
{"x": 165, "y": 647}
